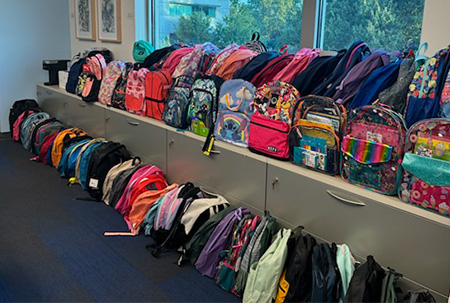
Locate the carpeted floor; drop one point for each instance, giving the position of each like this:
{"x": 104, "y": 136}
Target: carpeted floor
{"x": 52, "y": 246}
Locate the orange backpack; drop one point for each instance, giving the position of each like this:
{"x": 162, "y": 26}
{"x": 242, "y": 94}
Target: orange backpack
{"x": 234, "y": 62}
{"x": 61, "y": 138}
{"x": 157, "y": 86}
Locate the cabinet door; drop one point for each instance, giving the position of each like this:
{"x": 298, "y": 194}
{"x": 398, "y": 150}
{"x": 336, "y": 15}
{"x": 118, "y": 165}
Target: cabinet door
{"x": 87, "y": 116}
{"x": 415, "y": 247}
{"x": 142, "y": 139}
{"x": 237, "y": 176}
{"x": 51, "y": 102}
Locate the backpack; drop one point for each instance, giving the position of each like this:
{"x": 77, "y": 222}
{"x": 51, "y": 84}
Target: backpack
{"x": 118, "y": 96}
{"x": 346, "y": 265}
{"x": 112, "y": 73}
{"x": 46, "y": 147}
{"x": 229, "y": 265}
{"x": 366, "y": 283}
{"x": 316, "y": 72}
{"x": 203, "y": 104}
{"x": 395, "y": 95}
{"x": 357, "y": 52}
{"x": 259, "y": 243}
{"x": 249, "y": 70}
{"x": 157, "y": 55}
{"x": 235, "y": 61}
{"x": 82, "y": 164}
{"x": 264, "y": 276}
{"x": 28, "y": 126}
{"x": 372, "y": 149}
{"x": 113, "y": 173}
{"x": 314, "y": 139}
{"x": 157, "y": 86}
{"x": 174, "y": 59}
{"x": 18, "y": 108}
{"x": 97, "y": 67}
{"x": 296, "y": 280}
{"x": 379, "y": 80}
{"x": 273, "y": 67}
{"x": 220, "y": 59}
{"x": 103, "y": 158}
{"x": 270, "y": 126}
{"x": 389, "y": 289}
{"x": 419, "y": 296}
{"x": 141, "y": 50}
{"x": 426, "y": 88}
{"x": 150, "y": 182}
{"x": 235, "y": 111}
{"x": 120, "y": 183}
{"x": 208, "y": 259}
{"x": 255, "y": 45}
{"x": 197, "y": 207}
{"x": 177, "y": 102}
{"x": 19, "y": 121}
{"x": 324, "y": 275}
{"x": 135, "y": 93}
{"x": 59, "y": 142}
{"x": 123, "y": 205}
{"x": 426, "y": 165}
{"x": 355, "y": 78}
{"x": 300, "y": 61}
{"x": 82, "y": 78}
{"x": 198, "y": 61}
{"x": 43, "y": 131}
{"x": 37, "y": 129}
{"x": 66, "y": 166}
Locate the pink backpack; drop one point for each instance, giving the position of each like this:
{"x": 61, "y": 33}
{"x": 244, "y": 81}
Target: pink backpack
{"x": 220, "y": 58}
{"x": 197, "y": 61}
{"x": 18, "y": 123}
{"x": 135, "y": 93}
{"x": 301, "y": 61}
{"x": 175, "y": 57}
{"x": 122, "y": 205}
{"x": 112, "y": 73}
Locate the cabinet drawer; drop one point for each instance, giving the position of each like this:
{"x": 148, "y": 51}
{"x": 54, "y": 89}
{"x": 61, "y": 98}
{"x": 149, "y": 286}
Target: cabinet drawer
{"x": 51, "y": 102}
{"x": 142, "y": 139}
{"x": 231, "y": 173}
{"x": 87, "y": 116}
{"x": 418, "y": 248}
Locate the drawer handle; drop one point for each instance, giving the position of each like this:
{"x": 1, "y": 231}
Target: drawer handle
{"x": 274, "y": 182}
{"x": 345, "y": 200}
{"x": 134, "y": 123}
{"x": 82, "y": 104}
{"x": 65, "y": 103}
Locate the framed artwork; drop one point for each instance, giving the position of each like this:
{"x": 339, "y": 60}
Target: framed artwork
{"x": 109, "y": 20}
{"x": 85, "y": 19}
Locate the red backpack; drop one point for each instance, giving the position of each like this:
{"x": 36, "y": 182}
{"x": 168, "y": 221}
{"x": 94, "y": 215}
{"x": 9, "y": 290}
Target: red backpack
{"x": 269, "y": 72}
{"x": 45, "y": 147}
{"x": 134, "y": 98}
{"x": 157, "y": 86}
{"x": 174, "y": 59}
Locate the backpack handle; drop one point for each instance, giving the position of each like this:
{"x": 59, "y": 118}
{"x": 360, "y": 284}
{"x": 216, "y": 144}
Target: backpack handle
{"x": 236, "y": 108}
{"x": 283, "y": 49}
{"x": 255, "y": 36}
{"x": 420, "y": 56}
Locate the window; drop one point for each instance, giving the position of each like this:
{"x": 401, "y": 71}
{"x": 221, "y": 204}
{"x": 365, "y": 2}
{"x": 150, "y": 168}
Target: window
{"x": 228, "y": 21}
{"x": 389, "y": 24}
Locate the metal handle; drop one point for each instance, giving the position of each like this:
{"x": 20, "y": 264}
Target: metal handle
{"x": 345, "y": 199}
{"x": 274, "y": 182}
{"x": 134, "y": 123}
{"x": 171, "y": 142}
{"x": 107, "y": 118}
{"x": 82, "y": 104}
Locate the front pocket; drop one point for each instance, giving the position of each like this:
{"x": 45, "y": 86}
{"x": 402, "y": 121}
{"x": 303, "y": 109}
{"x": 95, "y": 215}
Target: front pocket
{"x": 419, "y": 109}
{"x": 232, "y": 127}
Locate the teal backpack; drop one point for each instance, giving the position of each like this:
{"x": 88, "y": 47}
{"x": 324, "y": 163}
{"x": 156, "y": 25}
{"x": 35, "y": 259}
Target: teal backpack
{"x": 141, "y": 49}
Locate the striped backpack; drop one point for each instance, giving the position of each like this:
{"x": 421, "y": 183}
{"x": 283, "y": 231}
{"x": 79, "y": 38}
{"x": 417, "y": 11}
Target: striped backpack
{"x": 112, "y": 73}
{"x": 426, "y": 165}
{"x": 28, "y": 126}
{"x": 135, "y": 93}
{"x": 235, "y": 111}
{"x": 119, "y": 93}
{"x": 372, "y": 149}
{"x": 255, "y": 45}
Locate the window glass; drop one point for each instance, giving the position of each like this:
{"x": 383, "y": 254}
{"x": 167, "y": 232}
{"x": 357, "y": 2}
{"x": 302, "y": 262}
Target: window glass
{"x": 393, "y": 25}
{"x": 223, "y": 22}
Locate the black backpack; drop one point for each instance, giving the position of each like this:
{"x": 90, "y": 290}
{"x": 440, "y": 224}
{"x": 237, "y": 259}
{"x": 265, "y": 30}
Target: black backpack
{"x": 102, "y": 160}
{"x": 298, "y": 268}
{"x": 157, "y": 55}
{"x": 18, "y": 108}
{"x": 325, "y": 276}
{"x": 120, "y": 183}
{"x": 249, "y": 70}
{"x": 316, "y": 72}
{"x": 118, "y": 96}
{"x": 419, "y": 296}
{"x": 355, "y": 54}
{"x": 367, "y": 283}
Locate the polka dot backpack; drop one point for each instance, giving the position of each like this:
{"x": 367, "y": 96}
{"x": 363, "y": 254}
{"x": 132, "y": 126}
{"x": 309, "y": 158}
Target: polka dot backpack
{"x": 372, "y": 149}
{"x": 426, "y": 165}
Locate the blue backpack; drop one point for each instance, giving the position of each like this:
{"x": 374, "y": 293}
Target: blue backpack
{"x": 325, "y": 275}
{"x": 66, "y": 166}
{"x": 84, "y": 163}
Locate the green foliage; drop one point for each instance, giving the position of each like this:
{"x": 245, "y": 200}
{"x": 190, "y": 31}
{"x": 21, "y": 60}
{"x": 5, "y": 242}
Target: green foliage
{"x": 194, "y": 28}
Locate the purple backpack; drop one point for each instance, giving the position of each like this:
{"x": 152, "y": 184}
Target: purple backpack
{"x": 208, "y": 259}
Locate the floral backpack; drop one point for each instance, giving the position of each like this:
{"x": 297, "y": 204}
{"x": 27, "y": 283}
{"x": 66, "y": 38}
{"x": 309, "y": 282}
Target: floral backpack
{"x": 112, "y": 73}
{"x": 372, "y": 149}
{"x": 135, "y": 93}
{"x": 221, "y": 58}
{"x": 203, "y": 105}
{"x": 426, "y": 165}
{"x": 235, "y": 111}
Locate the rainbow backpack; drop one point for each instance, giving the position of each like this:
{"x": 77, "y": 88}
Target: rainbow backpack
{"x": 426, "y": 165}
{"x": 235, "y": 111}
{"x": 372, "y": 149}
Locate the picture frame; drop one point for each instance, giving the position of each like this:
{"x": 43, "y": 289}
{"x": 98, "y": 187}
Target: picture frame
{"x": 109, "y": 20}
{"x": 85, "y": 26}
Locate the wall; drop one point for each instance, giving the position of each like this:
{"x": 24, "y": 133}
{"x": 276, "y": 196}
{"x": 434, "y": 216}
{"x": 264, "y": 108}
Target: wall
{"x": 30, "y": 31}
{"x": 435, "y": 25}
{"x": 122, "y": 51}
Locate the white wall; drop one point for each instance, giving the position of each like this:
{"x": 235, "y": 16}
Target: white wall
{"x": 30, "y": 31}
{"x": 435, "y": 25}
{"x": 123, "y": 50}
